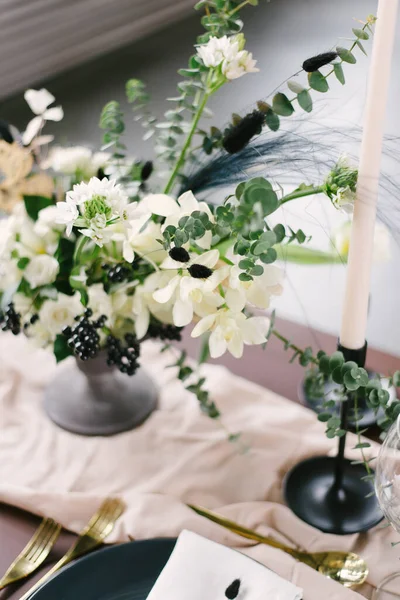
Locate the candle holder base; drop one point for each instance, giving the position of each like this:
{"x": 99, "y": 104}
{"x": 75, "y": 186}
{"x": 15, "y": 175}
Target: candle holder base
{"x": 310, "y": 492}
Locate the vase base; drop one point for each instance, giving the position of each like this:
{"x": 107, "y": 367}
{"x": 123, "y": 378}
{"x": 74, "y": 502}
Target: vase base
{"x": 114, "y": 404}
{"x": 310, "y": 493}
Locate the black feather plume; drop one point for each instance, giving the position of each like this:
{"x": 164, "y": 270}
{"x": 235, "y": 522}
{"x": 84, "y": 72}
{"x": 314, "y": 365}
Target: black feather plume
{"x": 238, "y": 136}
{"x": 232, "y": 591}
{"x": 316, "y": 62}
{"x": 5, "y": 132}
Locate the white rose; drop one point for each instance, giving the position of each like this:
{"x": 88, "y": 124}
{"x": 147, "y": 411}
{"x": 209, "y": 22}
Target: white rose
{"x": 57, "y": 314}
{"x": 69, "y": 160}
{"x": 47, "y": 222}
{"x": 41, "y": 270}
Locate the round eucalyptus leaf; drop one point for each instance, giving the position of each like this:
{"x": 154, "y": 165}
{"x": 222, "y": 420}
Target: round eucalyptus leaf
{"x": 281, "y": 105}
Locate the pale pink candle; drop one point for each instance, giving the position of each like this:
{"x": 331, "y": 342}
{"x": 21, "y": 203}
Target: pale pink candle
{"x": 355, "y": 308}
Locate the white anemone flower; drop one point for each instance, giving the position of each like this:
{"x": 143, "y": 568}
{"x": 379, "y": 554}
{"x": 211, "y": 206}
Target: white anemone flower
{"x": 144, "y": 305}
{"x": 191, "y": 295}
{"x": 174, "y": 210}
{"x": 141, "y": 238}
{"x": 39, "y": 101}
{"x": 231, "y": 330}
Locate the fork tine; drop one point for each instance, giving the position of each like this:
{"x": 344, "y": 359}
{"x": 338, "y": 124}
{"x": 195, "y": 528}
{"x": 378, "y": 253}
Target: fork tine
{"x": 49, "y": 544}
{"x": 51, "y": 534}
{"x": 45, "y": 534}
{"x": 39, "y": 534}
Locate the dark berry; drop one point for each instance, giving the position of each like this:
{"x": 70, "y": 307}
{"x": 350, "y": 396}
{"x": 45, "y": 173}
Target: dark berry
{"x": 10, "y": 320}
{"x": 147, "y": 170}
{"x": 162, "y": 331}
{"x": 179, "y": 254}
{"x": 83, "y": 339}
{"x": 123, "y": 354}
{"x": 200, "y": 271}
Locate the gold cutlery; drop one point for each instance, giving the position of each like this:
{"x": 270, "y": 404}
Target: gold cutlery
{"x": 347, "y": 568}
{"x": 99, "y": 527}
{"x": 34, "y": 553}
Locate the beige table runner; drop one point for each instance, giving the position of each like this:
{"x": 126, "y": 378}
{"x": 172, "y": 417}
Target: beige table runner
{"x": 177, "y": 456}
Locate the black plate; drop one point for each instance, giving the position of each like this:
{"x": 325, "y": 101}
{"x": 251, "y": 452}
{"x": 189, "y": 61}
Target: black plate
{"x": 125, "y": 572}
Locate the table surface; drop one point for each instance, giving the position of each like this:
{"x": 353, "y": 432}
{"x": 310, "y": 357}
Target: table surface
{"x": 269, "y": 368}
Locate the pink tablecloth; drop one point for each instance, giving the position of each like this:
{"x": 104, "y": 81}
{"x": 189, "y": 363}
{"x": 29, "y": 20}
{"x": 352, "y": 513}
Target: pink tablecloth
{"x": 177, "y": 456}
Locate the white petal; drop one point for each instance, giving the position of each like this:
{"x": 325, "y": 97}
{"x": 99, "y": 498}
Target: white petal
{"x": 204, "y": 325}
{"x": 32, "y": 129}
{"x": 54, "y": 114}
{"x": 165, "y": 294}
{"x": 142, "y": 323}
{"x": 235, "y": 345}
{"x": 205, "y": 241}
{"x": 182, "y": 313}
{"x": 208, "y": 259}
{"x": 127, "y": 252}
{"x": 217, "y": 343}
{"x": 161, "y": 204}
{"x": 188, "y": 202}
{"x": 188, "y": 284}
{"x": 38, "y": 100}
{"x": 169, "y": 263}
{"x": 235, "y": 299}
{"x": 255, "y": 330}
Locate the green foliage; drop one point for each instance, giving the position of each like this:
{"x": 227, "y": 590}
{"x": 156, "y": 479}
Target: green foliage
{"x": 112, "y": 122}
{"x": 281, "y": 105}
{"x": 61, "y": 349}
{"x": 34, "y": 204}
{"x": 338, "y": 70}
{"x": 318, "y": 81}
{"x": 346, "y": 55}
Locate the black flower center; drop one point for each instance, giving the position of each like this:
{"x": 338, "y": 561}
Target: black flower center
{"x": 232, "y": 591}
{"x": 200, "y": 271}
{"x": 179, "y": 254}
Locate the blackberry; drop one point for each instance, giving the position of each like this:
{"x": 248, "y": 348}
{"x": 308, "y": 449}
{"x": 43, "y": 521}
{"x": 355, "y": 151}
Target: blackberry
{"x": 123, "y": 355}
{"x": 164, "y": 332}
{"x": 83, "y": 339}
{"x": 10, "y": 320}
{"x": 117, "y": 273}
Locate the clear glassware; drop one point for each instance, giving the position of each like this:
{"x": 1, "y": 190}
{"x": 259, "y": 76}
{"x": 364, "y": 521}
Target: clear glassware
{"x": 387, "y": 487}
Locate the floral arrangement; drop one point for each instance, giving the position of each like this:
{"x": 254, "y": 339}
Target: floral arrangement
{"x": 116, "y": 251}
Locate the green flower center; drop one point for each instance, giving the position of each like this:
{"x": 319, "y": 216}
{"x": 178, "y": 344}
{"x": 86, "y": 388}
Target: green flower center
{"x": 97, "y": 206}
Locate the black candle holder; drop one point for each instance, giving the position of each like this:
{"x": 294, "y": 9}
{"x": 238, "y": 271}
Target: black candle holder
{"x": 329, "y": 492}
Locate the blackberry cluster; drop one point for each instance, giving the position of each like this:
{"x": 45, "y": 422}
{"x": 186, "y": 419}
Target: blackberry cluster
{"x": 123, "y": 355}
{"x": 34, "y": 318}
{"x": 84, "y": 339}
{"x": 117, "y": 273}
{"x": 10, "y": 320}
{"x": 164, "y": 332}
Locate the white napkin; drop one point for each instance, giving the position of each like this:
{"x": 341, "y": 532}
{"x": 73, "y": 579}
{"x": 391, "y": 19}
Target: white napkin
{"x": 200, "y": 569}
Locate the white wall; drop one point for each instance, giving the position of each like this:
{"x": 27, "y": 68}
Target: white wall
{"x": 281, "y": 35}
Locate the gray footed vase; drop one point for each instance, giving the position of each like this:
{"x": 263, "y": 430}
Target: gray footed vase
{"x": 91, "y": 398}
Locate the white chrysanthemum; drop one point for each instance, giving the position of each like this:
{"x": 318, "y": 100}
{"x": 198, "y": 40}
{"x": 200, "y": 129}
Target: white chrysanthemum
{"x": 231, "y": 330}
{"x": 41, "y": 270}
{"x": 174, "y": 210}
{"x": 57, "y": 314}
{"x": 240, "y": 65}
{"x": 77, "y": 160}
{"x": 188, "y": 294}
{"x": 229, "y": 53}
{"x": 93, "y": 206}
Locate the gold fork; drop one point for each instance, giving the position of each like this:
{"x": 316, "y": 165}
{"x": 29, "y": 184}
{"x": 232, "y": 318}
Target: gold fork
{"x": 34, "y": 553}
{"x": 93, "y": 535}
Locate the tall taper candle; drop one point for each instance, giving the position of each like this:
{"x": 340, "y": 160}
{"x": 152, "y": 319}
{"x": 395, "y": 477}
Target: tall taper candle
{"x": 355, "y": 308}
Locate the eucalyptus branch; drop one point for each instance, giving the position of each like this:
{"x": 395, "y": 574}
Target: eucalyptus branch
{"x": 302, "y": 193}
{"x": 305, "y": 355}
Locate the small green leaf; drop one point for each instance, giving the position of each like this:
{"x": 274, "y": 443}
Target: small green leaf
{"x": 268, "y": 237}
{"x": 396, "y": 379}
{"x": 269, "y": 257}
{"x": 272, "y": 120}
{"x": 336, "y": 360}
{"x": 257, "y": 271}
{"x": 346, "y": 55}
{"x": 280, "y": 233}
{"x": 282, "y": 105}
{"x": 23, "y": 263}
{"x": 305, "y": 101}
{"x": 324, "y": 417}
{"x": 61, "y": 349}
{"x": 34, "y": 204}
{"x": 245, "y": 277}
{"x": 338, "y": 69}
{"x": 361, "y": 34}
{"x": 318, "y": 82}
{"x": 246, "y": 263}
{"x": 295, "y": 87}
{"x": 362, "y": 445}
{"x": 359, "y": 44}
